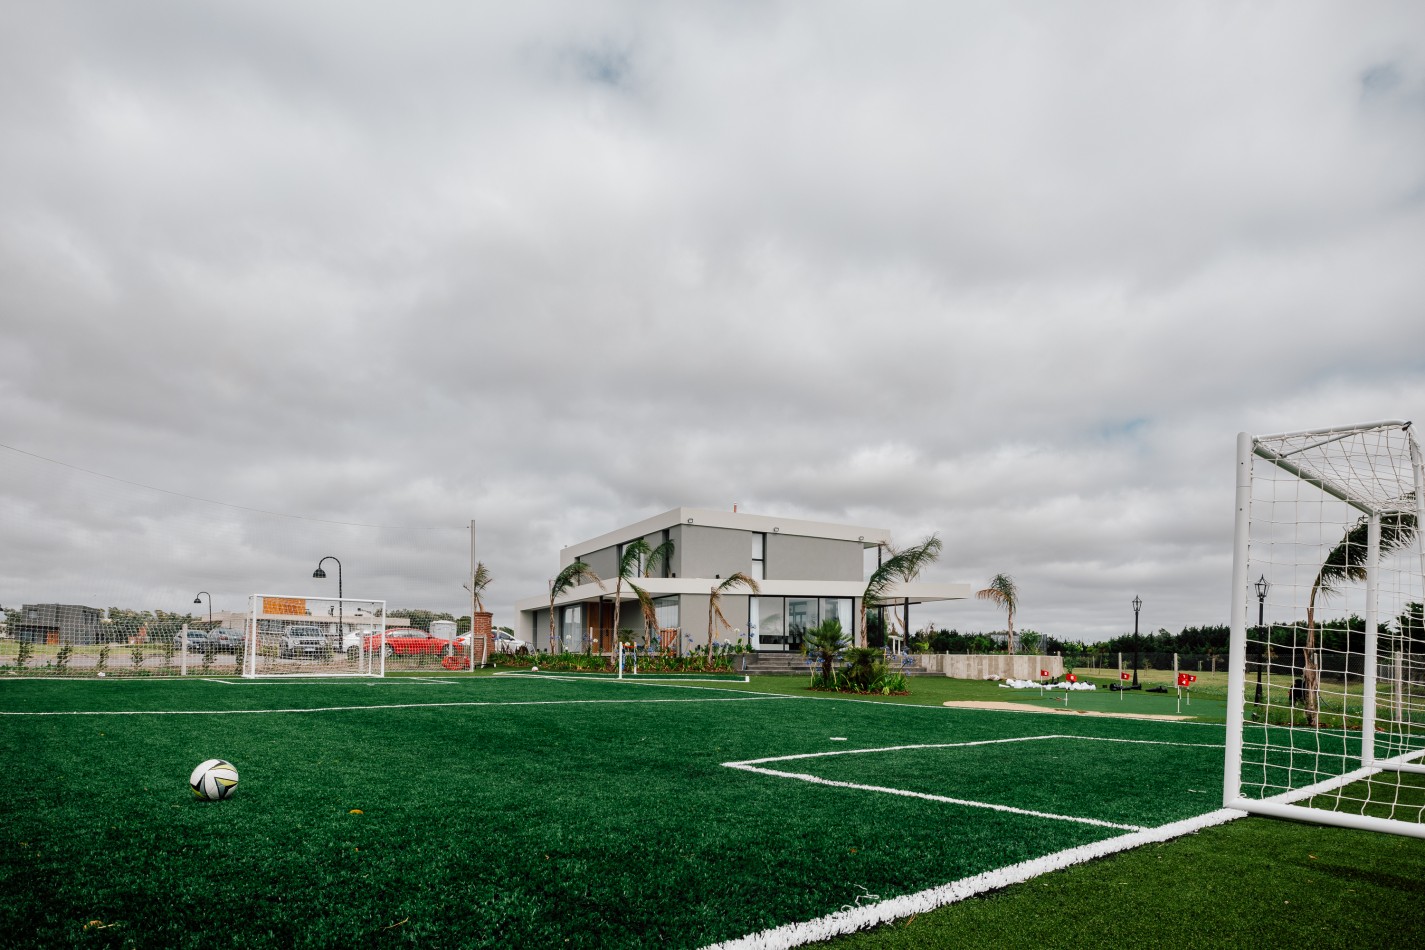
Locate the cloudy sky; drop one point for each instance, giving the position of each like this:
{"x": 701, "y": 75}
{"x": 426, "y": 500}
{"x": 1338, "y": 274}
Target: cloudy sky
{"x": 1013, "y": 273}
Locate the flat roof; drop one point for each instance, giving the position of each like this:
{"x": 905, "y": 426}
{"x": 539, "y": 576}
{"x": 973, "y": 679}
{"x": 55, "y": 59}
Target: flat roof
{"x": 736, "y": 520}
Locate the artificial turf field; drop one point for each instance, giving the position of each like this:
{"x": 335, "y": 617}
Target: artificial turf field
{"x": 544, "y": 811}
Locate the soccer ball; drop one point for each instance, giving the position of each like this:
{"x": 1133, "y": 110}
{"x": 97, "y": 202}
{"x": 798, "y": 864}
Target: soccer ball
{"x": 214, "y": 780}
{"x": 534, "y": 669}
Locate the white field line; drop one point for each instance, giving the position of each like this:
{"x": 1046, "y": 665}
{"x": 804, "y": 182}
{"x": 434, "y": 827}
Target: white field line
{"x": 345, "y": 681}
{"x": 753, "y": 765}
{"x": 961, "y": 745}
{"x": 852, "y": 918}
{"x": 639, "y": 679}
{"x": 816, "y": 780}
{"x": 328, "y": 709}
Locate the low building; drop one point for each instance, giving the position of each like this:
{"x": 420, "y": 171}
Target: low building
{"x": 807, "y": 572}
{"x": 56, "y": 624}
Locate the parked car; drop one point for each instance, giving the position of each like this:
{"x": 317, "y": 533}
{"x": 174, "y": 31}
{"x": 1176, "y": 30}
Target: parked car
{"x": 306, "y": 640}
{"x": 219, "y": 640}
{"x": 504, "y": 642}
{"x": 408, "y": 642}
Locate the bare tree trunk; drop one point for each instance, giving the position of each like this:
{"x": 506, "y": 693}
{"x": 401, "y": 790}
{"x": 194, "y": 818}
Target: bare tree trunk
{"x": 1310, "y": 671}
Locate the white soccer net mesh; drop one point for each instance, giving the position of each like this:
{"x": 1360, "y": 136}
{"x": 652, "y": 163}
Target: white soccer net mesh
{"x": 313, "y": 636}
{"x": 1330, "y": 713}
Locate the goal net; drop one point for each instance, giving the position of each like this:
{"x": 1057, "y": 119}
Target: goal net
{"x": 1326, "y": 690}
{"x": 288, "y": 635}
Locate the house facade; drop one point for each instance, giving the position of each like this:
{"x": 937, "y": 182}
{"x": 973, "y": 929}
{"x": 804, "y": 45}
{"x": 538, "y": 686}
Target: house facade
{"x": 807, "y": 572}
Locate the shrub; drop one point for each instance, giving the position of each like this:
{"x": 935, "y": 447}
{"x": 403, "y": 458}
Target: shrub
{"x": 103, "y": 659}
{"x": 136, "y": 654}
{"x": 61, "y": 659}
{"x": 22, "y": 656}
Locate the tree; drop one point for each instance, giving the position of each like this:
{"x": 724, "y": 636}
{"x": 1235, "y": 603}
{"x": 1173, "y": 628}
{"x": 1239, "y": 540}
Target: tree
{"x": 420, "y": 619}
{"x": 1003, "y": 593}
{"x": 715, "y": 614}
{"x": 1029, "y": 640}
{"x": 1346, "y": 562}
{"x": 634, "y": 556}
{"x": 570, "y": 577}
{"x": 478, "y": 582}
{"x": 823, "y": 643}
{"x": 901, "y": 566}
{"x": 657, "y": 557}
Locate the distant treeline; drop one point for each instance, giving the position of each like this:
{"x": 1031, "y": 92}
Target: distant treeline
{"x": 1344, "y": 634}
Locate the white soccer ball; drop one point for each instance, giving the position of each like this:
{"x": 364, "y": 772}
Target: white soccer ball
{"x": 102, "y": 673}
{"x": 214, "y": 780}
{"x": 534, "y": 669}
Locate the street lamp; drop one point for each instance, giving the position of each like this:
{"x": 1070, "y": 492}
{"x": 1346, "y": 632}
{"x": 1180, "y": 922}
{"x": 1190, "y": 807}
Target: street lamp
{"x": 1262, "y": 588}
{"x": 1137, "y": 606}
{"x": 320, "y": 574}
{"x": 199, "y": 600}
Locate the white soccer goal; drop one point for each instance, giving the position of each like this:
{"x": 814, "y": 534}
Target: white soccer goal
{"x": 1326, "y": 689}
{"x": 314, "y": 636}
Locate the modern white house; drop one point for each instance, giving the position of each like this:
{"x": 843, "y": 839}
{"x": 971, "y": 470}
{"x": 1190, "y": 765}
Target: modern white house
{"x": 807, "y": 572}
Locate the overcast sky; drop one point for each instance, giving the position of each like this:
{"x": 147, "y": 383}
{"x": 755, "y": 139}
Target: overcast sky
{"x": 1012, "y": 273}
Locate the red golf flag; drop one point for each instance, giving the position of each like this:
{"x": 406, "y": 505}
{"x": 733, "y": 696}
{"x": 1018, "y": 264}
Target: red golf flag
{"x": 1043, "y": 672}
{"x": 1125, "y": 676}
{"x": 1072, "y": 678}
{"x": 1185, "y": 679}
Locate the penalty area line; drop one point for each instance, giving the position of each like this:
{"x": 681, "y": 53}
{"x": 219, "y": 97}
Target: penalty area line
{"x": 853, "y": 918}
{"x": 385, "y": 706}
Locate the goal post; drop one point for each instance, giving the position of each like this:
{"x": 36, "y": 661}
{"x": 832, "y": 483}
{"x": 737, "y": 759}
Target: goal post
{"x": 290, "y": 635}
{"x": 1326, "y": 681}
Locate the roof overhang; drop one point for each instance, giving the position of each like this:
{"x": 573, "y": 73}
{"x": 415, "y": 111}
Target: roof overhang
{"x": 916, "y": 592}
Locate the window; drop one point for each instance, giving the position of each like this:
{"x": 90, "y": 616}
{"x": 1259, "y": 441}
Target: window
{"x": 571, "y": 630}
{"x": 840, "y": 608}
{"x": 759, "y": 557}
{"x": 801, "y": 617}
{"x": 667, "y": 610}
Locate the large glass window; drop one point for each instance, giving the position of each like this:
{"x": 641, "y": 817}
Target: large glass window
{"x": 667, "y": 610}
{"x": 759, "y": 557}
{"x": 571, "y": 628}
{"x": 801, "y": 616}
{"x": 840, "y": 608}
{"x": 770, "y": 631}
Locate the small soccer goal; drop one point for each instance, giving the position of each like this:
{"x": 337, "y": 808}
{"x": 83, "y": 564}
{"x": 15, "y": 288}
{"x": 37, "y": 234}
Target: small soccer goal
{"x": 1326, "y": 690}
{"x": 314, "y": 636}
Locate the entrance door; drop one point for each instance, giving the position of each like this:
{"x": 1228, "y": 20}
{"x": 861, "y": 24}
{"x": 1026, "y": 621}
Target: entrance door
{"x": 769, "y": 632}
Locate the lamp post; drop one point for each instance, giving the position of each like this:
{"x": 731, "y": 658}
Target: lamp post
{"x": 199, "y": 600}
{"x": 1137, "y": 606}
{"x": 319, "y": 574}
{"x": 1262, "y": 588}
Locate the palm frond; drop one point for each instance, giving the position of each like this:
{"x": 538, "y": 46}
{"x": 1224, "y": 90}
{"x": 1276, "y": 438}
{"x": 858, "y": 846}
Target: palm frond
{"x": 657, "y": 556}
{"x": 1347, "y": 560}
{"x": 635, "y": 553}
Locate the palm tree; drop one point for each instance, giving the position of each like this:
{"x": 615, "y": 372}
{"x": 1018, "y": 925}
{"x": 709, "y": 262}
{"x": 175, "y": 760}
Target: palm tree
{"x": 904, "y": 566}
{"x": 478, "y": 582}
{"x": 657, "y": 557}
{"x": 823, "y": 643}
{"x": 1347, "y": 562}
{"x": 715, "y": 614}
{"x": 1003, "y": 592}
{"x": 635, "y": 554}
{"x": 572, "y": 576}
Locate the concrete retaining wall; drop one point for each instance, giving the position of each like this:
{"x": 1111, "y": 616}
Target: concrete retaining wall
{"x": 973, "y": 667}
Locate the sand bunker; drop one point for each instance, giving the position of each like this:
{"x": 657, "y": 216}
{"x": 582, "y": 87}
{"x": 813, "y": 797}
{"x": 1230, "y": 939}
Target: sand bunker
{"x": 1021, "y": 707}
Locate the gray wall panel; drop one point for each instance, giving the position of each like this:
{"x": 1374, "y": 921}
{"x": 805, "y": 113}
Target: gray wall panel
{"x": 794, "y": 558}
{"x": 708, "y": 552}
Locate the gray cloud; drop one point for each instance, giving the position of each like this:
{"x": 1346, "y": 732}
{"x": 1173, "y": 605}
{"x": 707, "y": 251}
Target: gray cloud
{"x": 1014, "y": 275}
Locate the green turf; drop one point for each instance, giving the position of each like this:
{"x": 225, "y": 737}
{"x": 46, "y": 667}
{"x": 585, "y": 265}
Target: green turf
{"x": 523, "y": 811}
{"x": 1251, "y": 883}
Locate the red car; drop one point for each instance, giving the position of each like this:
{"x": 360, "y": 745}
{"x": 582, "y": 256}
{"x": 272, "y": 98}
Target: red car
{"x": 408, "y": 642}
